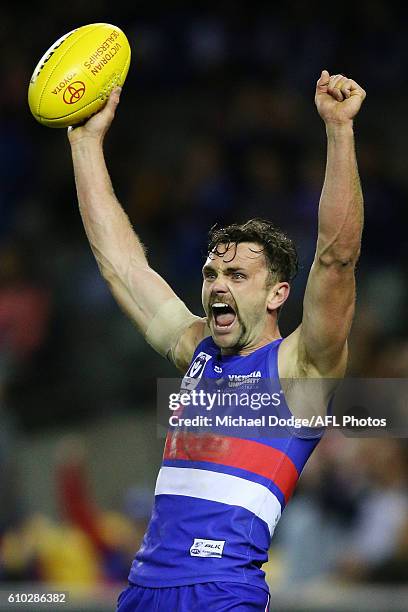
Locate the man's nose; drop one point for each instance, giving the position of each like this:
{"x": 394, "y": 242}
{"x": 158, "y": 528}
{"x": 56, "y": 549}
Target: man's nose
{"x": 219, "y": 286}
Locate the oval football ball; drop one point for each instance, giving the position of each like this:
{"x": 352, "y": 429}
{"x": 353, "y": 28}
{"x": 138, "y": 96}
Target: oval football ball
{"x": 74, "y": 78}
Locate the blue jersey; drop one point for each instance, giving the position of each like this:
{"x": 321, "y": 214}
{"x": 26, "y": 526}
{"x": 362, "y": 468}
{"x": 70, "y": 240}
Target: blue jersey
{"x": 219, "y": 495}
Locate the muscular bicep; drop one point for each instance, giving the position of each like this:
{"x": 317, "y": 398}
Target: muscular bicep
{"x": 328, "y": 311}
{"x": 151, "y": 304}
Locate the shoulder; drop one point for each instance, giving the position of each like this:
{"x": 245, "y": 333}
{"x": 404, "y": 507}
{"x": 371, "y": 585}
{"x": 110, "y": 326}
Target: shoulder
{"x": 307, "y": 389}
{"x": 182, "y": 353}
{"x": 294, "y": 361}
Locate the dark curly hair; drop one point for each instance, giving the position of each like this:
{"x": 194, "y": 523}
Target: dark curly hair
{"x": 280, "y": 251}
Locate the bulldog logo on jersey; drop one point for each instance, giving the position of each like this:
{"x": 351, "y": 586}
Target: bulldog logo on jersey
{"x": 195, "y": 371}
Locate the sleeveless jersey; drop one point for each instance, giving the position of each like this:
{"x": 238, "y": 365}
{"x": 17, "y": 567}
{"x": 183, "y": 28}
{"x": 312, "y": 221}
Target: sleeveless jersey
{"x": 220, "y": 494}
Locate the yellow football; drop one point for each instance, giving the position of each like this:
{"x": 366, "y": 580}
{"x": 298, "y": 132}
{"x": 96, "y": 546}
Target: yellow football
{"x": 73, "y": 79}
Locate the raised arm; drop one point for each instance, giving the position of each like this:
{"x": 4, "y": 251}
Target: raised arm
{"x": 147, "y": 299}
{"x": 328, "y": 307}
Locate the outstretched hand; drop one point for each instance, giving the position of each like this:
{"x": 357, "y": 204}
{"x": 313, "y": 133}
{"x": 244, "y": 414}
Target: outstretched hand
{"x": 97, "y": 126}
{"x": 338, "y": 99}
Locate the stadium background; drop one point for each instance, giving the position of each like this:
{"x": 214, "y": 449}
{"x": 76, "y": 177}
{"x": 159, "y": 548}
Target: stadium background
{"x": 216, "y": 123}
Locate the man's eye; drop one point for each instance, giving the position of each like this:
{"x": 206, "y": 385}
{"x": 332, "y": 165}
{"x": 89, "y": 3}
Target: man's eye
{"x": 209, "y": 276}
{"x": 238, "y": 275}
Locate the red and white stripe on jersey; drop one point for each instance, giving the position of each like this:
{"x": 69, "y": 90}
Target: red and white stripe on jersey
{"x": 248, "y": 455}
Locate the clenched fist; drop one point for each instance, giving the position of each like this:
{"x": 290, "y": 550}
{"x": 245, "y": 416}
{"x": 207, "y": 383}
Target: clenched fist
{"x": 338, "y": 99}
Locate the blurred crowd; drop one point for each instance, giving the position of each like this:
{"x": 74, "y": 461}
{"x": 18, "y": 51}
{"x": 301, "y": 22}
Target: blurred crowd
{"x": 350, "y": 514}
{"x": 84, "y": 545}
{"x": 216, "y": 124}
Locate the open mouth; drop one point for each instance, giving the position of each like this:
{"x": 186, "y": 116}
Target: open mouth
{"x": 224, "y": 316}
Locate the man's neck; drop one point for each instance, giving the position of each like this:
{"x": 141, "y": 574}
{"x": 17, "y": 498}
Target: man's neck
{"x": 251, "y": 347}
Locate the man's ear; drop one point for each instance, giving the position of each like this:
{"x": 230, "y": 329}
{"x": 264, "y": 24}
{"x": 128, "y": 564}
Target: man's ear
{"x": 278, "y": 294}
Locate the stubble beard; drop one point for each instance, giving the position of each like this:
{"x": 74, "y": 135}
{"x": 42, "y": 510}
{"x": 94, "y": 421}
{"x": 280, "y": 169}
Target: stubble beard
{"x": 240, "y": 342}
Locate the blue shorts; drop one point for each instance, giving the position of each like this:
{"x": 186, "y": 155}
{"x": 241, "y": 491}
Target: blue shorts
{"x": 206, "y": 597}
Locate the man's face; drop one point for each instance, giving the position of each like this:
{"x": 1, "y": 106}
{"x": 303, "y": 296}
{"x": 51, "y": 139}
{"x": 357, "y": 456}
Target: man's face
{"x": 235, "y": 294}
